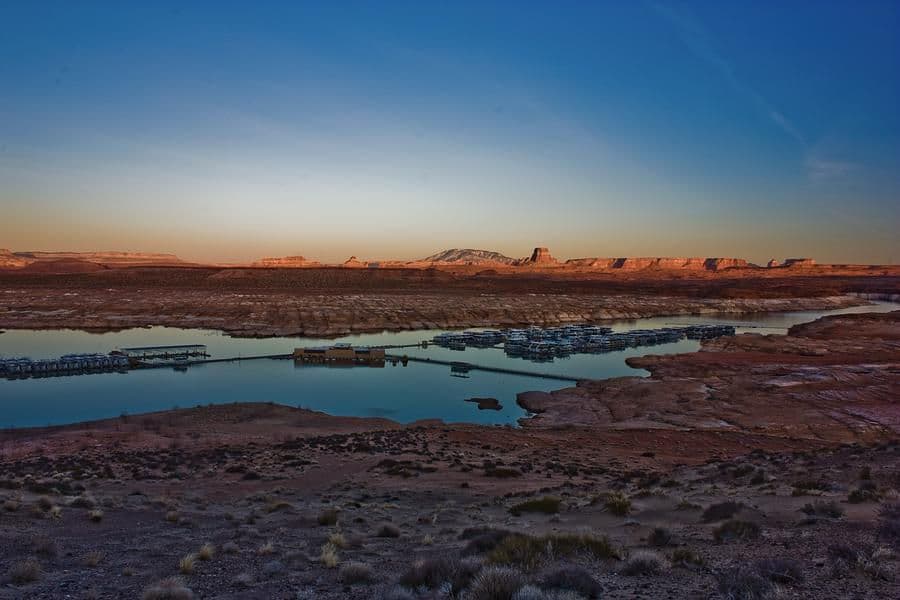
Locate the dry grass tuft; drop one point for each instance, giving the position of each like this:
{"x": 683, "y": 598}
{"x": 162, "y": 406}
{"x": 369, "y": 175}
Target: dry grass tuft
{"x": 617, "y": 503}
{"x": 495, "y": 583}
{"x": 187, "y": 563}
{"x": 329, "y": 556}
{"x": 266, "y": 549}
{"x": 93, "y": 559}
{"x": 207, "y": 551}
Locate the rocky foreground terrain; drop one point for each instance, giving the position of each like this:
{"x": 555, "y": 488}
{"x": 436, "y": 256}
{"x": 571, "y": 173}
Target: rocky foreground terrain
{"x": 760, "y": 467}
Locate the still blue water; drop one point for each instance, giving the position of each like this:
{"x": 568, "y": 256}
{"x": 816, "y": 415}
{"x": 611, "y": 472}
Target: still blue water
{"x": 404, "y": 394}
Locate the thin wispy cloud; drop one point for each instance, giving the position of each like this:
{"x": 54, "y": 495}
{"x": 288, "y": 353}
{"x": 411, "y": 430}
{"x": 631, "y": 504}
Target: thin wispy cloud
{"x": 821, "y": 170}
{"x": 700, "y": 44}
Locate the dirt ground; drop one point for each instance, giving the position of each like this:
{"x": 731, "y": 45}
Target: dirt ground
{"x": 760, "y": 467}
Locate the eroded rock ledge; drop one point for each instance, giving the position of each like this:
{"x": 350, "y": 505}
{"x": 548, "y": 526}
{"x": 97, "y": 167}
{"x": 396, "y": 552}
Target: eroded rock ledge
{"x": 836, "y": 379}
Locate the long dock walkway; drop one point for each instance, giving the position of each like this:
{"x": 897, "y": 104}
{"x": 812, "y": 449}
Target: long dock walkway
{"x": 474, "y": 367}
{"x": 390, "y": 357}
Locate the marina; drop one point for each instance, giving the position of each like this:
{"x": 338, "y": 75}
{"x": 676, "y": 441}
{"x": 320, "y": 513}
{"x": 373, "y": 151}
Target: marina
{"x": 264, "y": 370}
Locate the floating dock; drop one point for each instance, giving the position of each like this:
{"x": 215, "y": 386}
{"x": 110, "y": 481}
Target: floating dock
{"x": 458, "y": 367}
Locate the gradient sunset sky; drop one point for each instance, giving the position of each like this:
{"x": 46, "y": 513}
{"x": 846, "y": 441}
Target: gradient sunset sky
{"x": 232, "y": 130}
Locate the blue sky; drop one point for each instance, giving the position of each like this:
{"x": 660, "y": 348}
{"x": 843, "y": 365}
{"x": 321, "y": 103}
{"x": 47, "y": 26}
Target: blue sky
{"x": 232, "y": 130}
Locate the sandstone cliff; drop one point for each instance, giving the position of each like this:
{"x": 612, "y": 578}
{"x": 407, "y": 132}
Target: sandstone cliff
{"x": 661, "y": 263}
{"x": 285, "y": 262}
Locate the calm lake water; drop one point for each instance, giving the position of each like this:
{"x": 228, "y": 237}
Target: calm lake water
{"x": 404, "y": 394}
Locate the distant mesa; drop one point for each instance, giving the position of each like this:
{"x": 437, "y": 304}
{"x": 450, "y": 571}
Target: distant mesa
{"x": 355, "y": 263}
{"x": 792, "y": 262}
{"x": 468, "y": 256}
{"x": 68, "y": 262}
{"x": 541, "y": 256}
{"x": 659, "y": 263}
{"x": 799, "y": 262}
{"x": 285, "y": 262}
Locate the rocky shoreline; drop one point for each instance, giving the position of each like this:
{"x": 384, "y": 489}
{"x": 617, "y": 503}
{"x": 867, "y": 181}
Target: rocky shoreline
{"x": 334, "y": 315}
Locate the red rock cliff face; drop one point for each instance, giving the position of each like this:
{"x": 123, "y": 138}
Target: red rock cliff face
{"x": 661, "y": 263}
{"x": 285, "y": 261}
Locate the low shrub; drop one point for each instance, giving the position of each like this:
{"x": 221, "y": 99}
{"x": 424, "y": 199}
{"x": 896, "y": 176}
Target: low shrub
{"x": 830, "y": 509}
{"x": 736, "y": 530}
{"x": 44, "y": 546}
{"x": 432, "y": 573}
{"x": 485, "y": 542}
{"x": 168, "y": 589}
{"x": 397, "y": 593}
{"x": 780, "y": 570}
{"x": 889, "y": 532}
{"x": 686, "y": 556}
{"x": 387, "y": 530}
{"x": 25, "y": 571}
{"x": 527, "y": 552}
{"x": 572, "y": 578}
{"x": 355, "y": 572}
{"x": 660, "y": 536}
{"x": 721, "y": 511}
{"x": 328, "y": 517}
{"x": 230, "y": 548}
{"x": 643, "y": 563}
{"x": 744, "y": 584}
{"x": 502, "y": 472}
{"x": 866, "y": 492}
{"x": 548, "y": 505}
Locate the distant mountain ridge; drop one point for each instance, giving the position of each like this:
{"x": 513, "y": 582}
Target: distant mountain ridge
{"x": 469, "y": 256}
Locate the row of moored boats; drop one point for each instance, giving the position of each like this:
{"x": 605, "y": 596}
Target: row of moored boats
{"x": 67, "y": 364}
{"x": 548, "y": 342}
